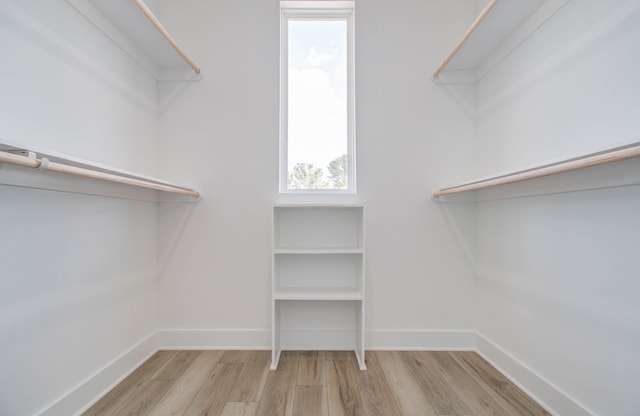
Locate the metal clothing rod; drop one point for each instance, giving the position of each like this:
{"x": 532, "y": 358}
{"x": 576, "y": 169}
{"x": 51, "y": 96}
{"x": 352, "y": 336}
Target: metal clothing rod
{"x": 46, "y": 164}
{"x": 466, "y": 36}
{"x": 603, "y": 158}
{"x": 154, "y": 20}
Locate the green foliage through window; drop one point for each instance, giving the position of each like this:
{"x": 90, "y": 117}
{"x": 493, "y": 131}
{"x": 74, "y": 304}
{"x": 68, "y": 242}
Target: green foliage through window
{"x": 308, "y": 176}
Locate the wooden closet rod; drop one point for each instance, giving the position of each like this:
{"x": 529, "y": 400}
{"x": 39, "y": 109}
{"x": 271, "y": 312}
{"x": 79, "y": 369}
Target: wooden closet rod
{"x": 154, "y": 20}
{"x": 612, "y": 156}
{"x": 466, "y": 36}
{"x": 45, "y": 164}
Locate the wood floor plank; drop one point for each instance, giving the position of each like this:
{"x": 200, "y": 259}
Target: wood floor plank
{"x": 377, "y": 397}
{"x": 439, "y": 393}
{"x": 179, "y": 397}
{"x": 144, "y": 399}
{"x": 514, "y": 400}
{"x": 310, "y": 368}
{"x": 310, "y": 401}
{"x": 176, "y": 365}
{"x": 338, "y": 355}
{"x": 238, "y": 383}
{"x": 277, "y": 398}
{"x": 411, "y": 400}
{"x": 252, "y": 379}
{"x": 467, "y": 388}
{"x": 343, "y": 392}
{"x": 214, "y": 394}
{"x": 125, "y": 389}
{"x": 236, "y": 356}
{"x": 240, "y": 409}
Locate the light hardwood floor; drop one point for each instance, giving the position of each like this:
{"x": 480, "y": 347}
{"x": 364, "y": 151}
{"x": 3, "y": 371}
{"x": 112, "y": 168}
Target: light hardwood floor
{"x": 309, "y": 383}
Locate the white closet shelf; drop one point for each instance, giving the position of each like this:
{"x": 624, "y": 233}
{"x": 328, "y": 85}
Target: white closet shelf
{"x": 318, "y": 251}
{"x": 53, "y": 162}
{"x": 132, "y": 26}
{"x": 493, "y": 25}
{"x": 316, "y": 294}
{"x": 609, "y": 156}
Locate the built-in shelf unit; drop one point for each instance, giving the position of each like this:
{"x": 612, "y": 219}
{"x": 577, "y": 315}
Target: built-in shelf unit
{"x": 132, "y": 26}
{"x": 318, "y": 261}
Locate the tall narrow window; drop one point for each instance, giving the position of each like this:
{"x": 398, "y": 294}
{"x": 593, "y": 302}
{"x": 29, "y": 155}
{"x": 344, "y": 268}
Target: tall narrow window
{"x": 317, "y": 128}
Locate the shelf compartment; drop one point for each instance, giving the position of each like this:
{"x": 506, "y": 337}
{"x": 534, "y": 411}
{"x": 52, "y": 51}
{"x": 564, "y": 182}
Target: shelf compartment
{"x": 319, "y": 325}
{"x": 317, "y": 227}
{"x": 315, "y": 273}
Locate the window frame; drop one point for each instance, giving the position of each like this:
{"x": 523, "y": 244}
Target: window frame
{"x": 317, "y": 10}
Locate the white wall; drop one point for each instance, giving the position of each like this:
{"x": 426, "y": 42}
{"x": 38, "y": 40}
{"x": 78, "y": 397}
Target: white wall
{"x": 221, "y": 134}
{"x": 548, "y": 281}
{"x": 558, "y": 274}
{"x": 78, "y": 280}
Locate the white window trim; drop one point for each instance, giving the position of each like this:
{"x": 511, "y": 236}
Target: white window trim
{"x": 317, "y": 10}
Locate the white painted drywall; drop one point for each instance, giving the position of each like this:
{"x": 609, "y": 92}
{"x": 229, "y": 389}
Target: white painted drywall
{"x": 78, "y": 280}
{"x": 558, "y": 275}
{"x": 221, "y": 135}
{"x": 554, "y": 277}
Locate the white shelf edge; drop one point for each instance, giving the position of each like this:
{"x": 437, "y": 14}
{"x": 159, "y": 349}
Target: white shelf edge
{"x": 318, "y": 205}
{"x": 111, "y": 31}
{"x": 524, "y": 31}
{"x": 582, "y": 162}
{"x": 316, "y": 294}
{"x": 318, "y": 251}
{"x": 81, "y": 163}
{"x": 502, "y": 48}
{"x": 465, "y": 37}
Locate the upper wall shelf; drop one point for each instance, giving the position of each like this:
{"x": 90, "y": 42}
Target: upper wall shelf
{"x": 131, "y": 25}
{"x": 610, "y": 156}
{"x": 492, "y": 26}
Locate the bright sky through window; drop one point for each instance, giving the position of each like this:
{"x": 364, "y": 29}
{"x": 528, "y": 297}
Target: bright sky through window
{"x": 317, "y": 114}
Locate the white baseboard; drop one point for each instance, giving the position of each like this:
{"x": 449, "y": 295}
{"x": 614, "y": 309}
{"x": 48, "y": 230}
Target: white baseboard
{"x": 214, "y": 339}
{"x": 416, "y": 340}
{"x": 544, "y": 392}
{"x": 291, "y": 339}
{"x": 549, "y": 396}
{"x": 398, "y": 340}
{"x": 88, "y": 392}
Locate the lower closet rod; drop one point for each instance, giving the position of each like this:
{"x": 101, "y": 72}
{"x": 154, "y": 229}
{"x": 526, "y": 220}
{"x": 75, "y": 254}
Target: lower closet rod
{"x": 45, "y": 164}
{"x": 612, "y": 156}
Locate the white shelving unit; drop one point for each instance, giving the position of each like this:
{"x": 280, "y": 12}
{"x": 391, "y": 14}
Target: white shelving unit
{"x": 318, "y": 259}
{"x": 128, "y": 27}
